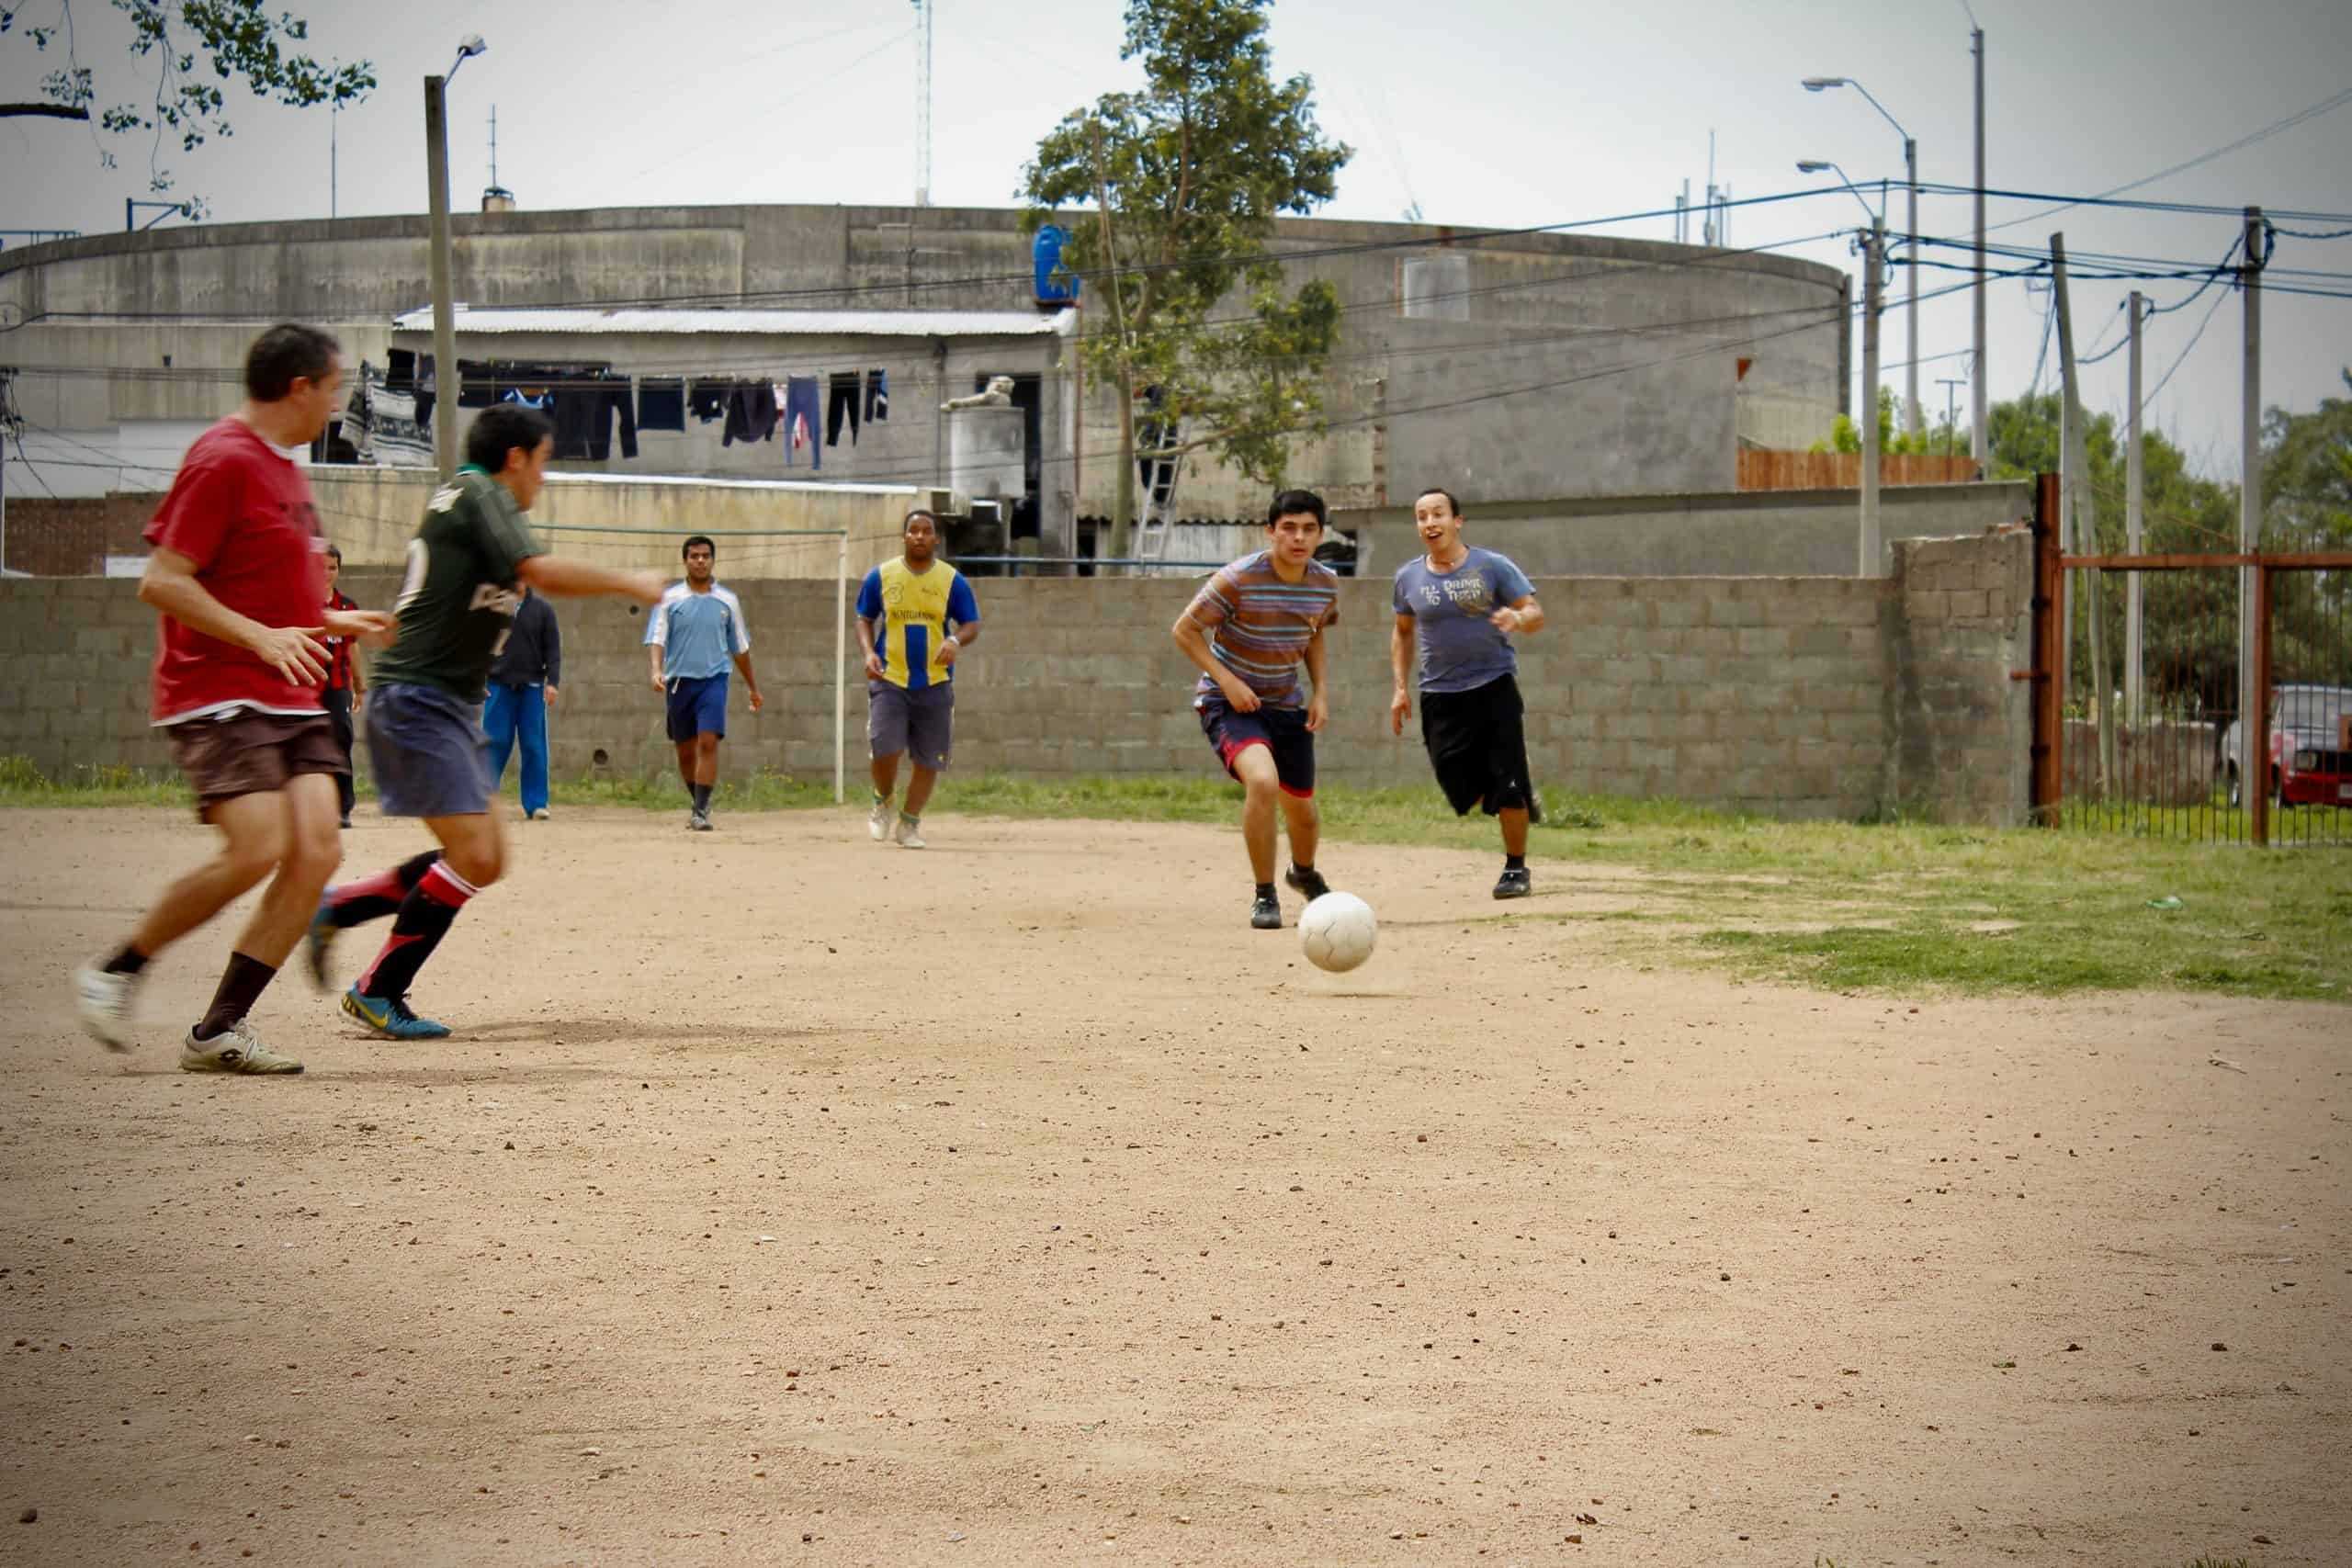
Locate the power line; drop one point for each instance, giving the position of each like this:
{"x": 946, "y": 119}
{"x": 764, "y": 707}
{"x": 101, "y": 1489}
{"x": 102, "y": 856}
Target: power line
{"x": 2183, "y": 358}
{"x": 2103, "y": 198}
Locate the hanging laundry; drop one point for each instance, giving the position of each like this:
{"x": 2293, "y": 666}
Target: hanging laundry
{"x": 800, "y": 402}
{"x": 707, "y": 401}
{"x": 585, "y": 407}
{"x": 877, "y": 396}
{"x": 840, "y": 400}
{"x": 751, "y": 412}
{"x": 661, "y": 405}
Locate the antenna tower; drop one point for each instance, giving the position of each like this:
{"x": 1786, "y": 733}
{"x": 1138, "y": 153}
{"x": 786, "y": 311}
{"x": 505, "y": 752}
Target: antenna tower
{"x": 923, "y": 102}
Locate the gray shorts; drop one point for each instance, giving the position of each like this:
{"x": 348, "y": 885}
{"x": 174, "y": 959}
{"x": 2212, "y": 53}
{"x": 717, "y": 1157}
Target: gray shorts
{"x": 922, "y": 721}
{"x": 427, "y": 750}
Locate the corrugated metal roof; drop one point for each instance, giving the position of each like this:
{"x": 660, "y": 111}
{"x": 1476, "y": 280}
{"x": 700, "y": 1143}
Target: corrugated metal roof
{"x": 744, "y": 323}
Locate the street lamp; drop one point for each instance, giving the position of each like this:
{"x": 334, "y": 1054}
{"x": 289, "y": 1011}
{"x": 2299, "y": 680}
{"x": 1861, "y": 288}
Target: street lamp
{"x": 1911, "y": 176}
{"x": 444, "y": 328}
{"x": 1824, "y": 166}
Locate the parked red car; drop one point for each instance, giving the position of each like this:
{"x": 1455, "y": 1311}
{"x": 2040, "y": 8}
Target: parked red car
{"x": 2310, "y": 764}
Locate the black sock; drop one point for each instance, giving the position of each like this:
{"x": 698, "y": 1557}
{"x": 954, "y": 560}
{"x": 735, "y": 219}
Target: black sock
{"x": 241, "y": 983}
{"x": 417, "y": 929}
{"x": 130, "y": 961}
{"x": 701, "y": 797}
{"x": 1514, "y": 862}
{"x": 356, "y": 903}
{"x": 1265, "y": 890}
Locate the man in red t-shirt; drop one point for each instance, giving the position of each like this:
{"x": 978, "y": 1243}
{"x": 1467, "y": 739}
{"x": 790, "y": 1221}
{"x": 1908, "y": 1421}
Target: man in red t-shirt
{"x": 237, "y": 577}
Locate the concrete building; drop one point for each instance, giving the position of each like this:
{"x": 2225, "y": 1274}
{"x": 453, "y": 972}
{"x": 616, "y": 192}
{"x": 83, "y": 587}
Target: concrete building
{"x": 1514, "y": 365}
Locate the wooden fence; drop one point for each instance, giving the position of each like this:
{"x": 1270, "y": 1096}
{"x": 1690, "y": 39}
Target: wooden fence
{"x": 1843, "y": 470}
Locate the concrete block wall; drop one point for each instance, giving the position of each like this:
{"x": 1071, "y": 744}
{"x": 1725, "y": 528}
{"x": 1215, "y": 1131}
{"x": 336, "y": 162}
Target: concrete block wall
{"x": 1809, "y": 697}
{"x": 1962, "y": 725}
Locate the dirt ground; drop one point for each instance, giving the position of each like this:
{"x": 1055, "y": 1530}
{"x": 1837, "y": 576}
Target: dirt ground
{"x": 786, "y": 1198}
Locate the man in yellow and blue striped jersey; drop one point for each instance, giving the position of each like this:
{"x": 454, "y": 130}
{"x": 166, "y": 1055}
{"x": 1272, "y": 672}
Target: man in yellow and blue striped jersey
{"x": 905, "y": 608}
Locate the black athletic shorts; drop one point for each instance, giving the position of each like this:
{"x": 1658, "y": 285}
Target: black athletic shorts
{"x": 1477, "y": 743}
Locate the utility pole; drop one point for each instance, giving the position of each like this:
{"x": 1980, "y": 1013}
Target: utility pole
{"x": 444, "y": 327}
{"x": 923, "y": 9}
{"x": 2134, "y": 525}
{"x": 1979, "y": 447}
{"x": 1911, "y": 310}
{"x": 2074, "y": 461}
{"x": 2254, "y": 703}
{"x": 8, "y": 423}
{"x": 1874, "y": 253}
{"x": 335, "y": 160}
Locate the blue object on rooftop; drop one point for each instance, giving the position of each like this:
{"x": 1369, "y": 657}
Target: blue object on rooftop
{"x": 1048, "y": 251}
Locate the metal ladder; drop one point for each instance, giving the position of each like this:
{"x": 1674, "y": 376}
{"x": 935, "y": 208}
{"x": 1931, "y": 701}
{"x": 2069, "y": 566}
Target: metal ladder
{"x": 1158, "y": 480}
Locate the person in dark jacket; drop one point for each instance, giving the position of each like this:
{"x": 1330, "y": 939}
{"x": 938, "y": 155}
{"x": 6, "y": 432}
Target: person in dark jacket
{"x": 525, "y": 682}
{"x": 346, "y": 685}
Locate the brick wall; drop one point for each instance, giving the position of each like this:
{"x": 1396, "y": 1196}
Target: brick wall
{"x": 1796, "y": 697}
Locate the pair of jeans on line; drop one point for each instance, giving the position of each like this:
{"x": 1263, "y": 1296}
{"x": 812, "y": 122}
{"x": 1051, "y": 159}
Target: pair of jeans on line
{"x": 510, "y": 714}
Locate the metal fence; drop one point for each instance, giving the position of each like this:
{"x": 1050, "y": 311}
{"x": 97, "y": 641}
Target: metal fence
{"x": 2138, "y": 726}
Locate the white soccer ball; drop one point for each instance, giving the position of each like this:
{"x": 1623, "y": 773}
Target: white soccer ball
{"x": 1337, "y": 931}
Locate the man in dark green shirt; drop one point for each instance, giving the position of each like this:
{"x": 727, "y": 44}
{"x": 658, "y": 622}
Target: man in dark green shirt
{"x": 456, "y": 607}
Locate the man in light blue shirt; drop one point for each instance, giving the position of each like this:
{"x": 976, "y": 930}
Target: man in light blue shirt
{"x": 694, "y": 634}
{"x": 1460, "y": 607}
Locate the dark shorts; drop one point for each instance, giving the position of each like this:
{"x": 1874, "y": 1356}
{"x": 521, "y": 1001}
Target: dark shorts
{"x": 1281, "y": 731}
{"x": 426, "y": 748}
{"x": 698, "y": 707}
{"x": 245, "y": 753}
{"x": 1477, "y": 743}
{"x": 921, "y": 722}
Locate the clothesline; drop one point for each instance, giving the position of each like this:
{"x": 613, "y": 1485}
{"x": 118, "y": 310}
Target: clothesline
{"x": 390, "y": 419}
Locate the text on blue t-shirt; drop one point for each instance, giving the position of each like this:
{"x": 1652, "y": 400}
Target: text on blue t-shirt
{"x": 1461, "y": 648}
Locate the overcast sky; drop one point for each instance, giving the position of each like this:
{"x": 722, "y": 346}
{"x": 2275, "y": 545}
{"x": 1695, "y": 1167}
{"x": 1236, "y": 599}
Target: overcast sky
{"x": 1484, "y": 113}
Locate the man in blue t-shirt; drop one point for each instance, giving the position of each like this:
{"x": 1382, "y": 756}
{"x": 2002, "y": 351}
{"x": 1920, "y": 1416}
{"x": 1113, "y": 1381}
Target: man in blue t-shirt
{"x": 1460, "y": 606}
{"x": 691, "y": 636}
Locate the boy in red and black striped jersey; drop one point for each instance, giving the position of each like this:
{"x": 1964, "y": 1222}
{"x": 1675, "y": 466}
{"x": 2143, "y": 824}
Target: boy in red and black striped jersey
{"x": 1249, "y": 630}
{"x": 346, "y": 685}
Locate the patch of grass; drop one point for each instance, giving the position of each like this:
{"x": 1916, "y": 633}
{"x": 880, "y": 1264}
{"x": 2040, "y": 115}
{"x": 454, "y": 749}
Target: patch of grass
{"x": 760, "y": 792}
{"x": 1892, "y": 907}
{"x": 21, "y": 784}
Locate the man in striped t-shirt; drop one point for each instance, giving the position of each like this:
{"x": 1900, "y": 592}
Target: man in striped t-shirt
{"x": 1249, "y": 629}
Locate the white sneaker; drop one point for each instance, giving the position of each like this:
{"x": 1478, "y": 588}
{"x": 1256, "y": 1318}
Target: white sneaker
{"x": 542, "y": 815}
{"x": 108, "y": 1005}
{"x": 907, "y": 833}
{"x": 238, "y": 1051}
{"x": 878, "y": 821}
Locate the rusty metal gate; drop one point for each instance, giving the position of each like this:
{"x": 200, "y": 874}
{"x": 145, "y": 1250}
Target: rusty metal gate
{"x": 2137, "y": 727}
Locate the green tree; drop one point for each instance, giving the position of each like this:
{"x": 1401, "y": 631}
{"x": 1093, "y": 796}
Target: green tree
{"x": 1185, "y": 178}
{"x": 1845, "y": 435}
{"x": 183, "y": 53}
{"x": 2307, "y": 505}
{"x": 2189, "y": 617}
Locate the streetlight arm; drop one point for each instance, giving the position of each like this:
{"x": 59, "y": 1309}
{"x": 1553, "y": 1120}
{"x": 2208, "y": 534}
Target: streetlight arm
{"x": 1881, "y": 107}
